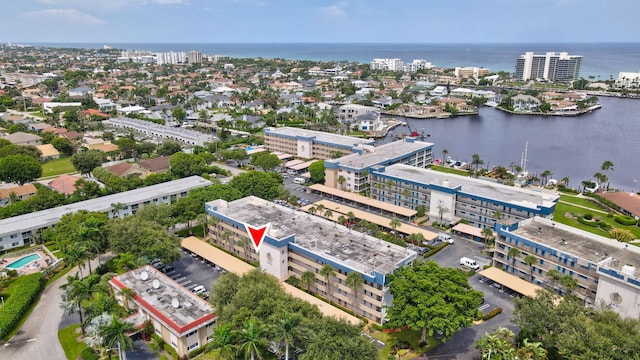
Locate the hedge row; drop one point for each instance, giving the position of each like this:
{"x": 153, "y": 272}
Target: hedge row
{"x": 591, "y": 223}
{"x": 435, "y": 249}
{"x": 492, "y": 313}
{"x": 27, "y": 290}
{"x": 625, "y": 220}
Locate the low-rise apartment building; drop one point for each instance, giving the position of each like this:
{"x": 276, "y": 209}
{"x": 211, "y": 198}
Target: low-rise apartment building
{"x": 351, "y": 172}
{"x": 296, "y": 242}
{"x": 310, "y": 144}
{"x": 605, "y": 270}
{"x": 450, "y": 198}
{"x": 179, "y": 317}
{"x": 23, "y": 229}
{"x": 161, "y": 132}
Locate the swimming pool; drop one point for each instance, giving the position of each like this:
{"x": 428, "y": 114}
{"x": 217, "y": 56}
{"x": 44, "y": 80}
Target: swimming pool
{"x": 23, "y": 261}
{"x": 249, "y": 148}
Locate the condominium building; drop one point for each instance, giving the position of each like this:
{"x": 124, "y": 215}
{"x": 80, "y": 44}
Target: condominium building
{"x": 170, "y": 57}
{"x": 605, "y": 270}
{"x": 350, "y": 112}
{"x": 194, "y": 57}
{"x": 471, "y": 72}
{"x": 352, "y": 172}
{"x": 162, "y": 132}
{"x": 23, "y": 229}
{"x": 310, "y": 144}
{"x": 451, "y": 198}
{"x": 179, "y": 317}
{"x": 386, "y": 64}
{"x": 296, "y": 242}
{"x": 628, "y": 79}
{"x": 23, "y": 79}
{"x": 550, "y": 66}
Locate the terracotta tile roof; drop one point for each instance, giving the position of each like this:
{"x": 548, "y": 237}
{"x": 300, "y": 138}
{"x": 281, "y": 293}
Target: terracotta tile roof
{"x": 157, "y": 164}
{"x": 18, "y": 190}
{"x": 120, "y": 168}
{"x": 106, "y": 147}
{"x": 64, "y": 184}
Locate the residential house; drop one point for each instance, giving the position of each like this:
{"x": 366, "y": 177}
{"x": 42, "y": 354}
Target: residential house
{"x": 22, "y": 138}
{"x": 48, "y": 152}
{"x": 159, "y": 165}
{"x": 39, "y": 127}
{"x": 17, "y": 193}
{"x": 64, "y": 184}
{"x": 126, "y": 170}
{"x": 522, "y": 102}
{"x": 81, "y": 91}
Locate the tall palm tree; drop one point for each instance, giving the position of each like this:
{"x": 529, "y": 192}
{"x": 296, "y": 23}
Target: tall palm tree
{"x": 342, "y": 220}
{"x": 76, "y": 291}
{"x": 285, "y": 329}
{"x": 244, "y": 242}
{"x": 354, "y": 281}
{"x": 406, "y": 193}
{"x": 394, "y": 224}
{"x": 226, "y": 237}
{"x": 329, "y": 214}
{"x": 252, "y": 341}
{"x": 564, "y": 181}
{"x": 308, "y": 278}
{"x": 75, "y": 256}
{"x": 224, "y": 341}
{"x": 115, "y": 334}
{"x": 554, "y": 275}
{"x": 444, "y": 156}
{"x": 530, "y": 260}
{"x": 327, "y": 271}
{"x": 341, "y": 181}
{"x": 569, "y": 283}
{"x": 487, "y": 235}
{"x": 351, "y": 217}
{"x": 606, "y": 166}
{"x": 545, "y": 175}
{"x": 312, "y": 210}
{"x": 513, "y": 254}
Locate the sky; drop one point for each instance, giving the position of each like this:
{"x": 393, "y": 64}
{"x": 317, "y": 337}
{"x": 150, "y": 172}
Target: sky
{"x": 319, "y": 21}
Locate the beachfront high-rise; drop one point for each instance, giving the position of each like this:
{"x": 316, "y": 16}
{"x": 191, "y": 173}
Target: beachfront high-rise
{"x": 550, "y": 66}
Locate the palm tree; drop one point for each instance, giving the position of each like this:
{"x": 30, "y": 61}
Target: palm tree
{"x": 606, "y": 166}
{"x": 564, "y": 181}
{"x": 389, "y": 184}
{"x": 76, "y": 292}
{"x": 354, "y": 281}
{"x": 308, "y": 278}
{"x": 76, "y": 255}
{"x": 406, "y": 193}
{"x": 312, "y": 210}
{"x": 530, "y": 260}
{"x": 95, "y": 231}
{"x": 285, "y": 330}
{"x": 476, "y": 162}
{"x": 342, "y": 220}
{"x": 341, "y": 181}
{"x": 329, "y": 214}
{"x": 531, "y": 350}
{"x": 327, "y": 271}
{"x": 394, "y": 224}
{"x": 554, "y": 275}
{"x": 244, "y": 242}
{"x": 223, "y": 341}
{"x": 115, "y": 334}
{"x": 569, "y": 283}
{"x": 115, "y": 209}
{"x": 252, "y": 341}
{"x": 444, "y": 156}
{"x": 226, "y": 237}
{"x": 513, "y": 254}
{"x": 545, "y": 176}
{"x": 351, "y": 217}
{"x": 487, "y": 235}
{"x": 601, "y": 178}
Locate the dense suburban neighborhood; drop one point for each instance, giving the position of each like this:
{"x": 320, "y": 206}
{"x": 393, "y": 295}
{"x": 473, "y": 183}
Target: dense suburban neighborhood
{"x": 131, "y": 183}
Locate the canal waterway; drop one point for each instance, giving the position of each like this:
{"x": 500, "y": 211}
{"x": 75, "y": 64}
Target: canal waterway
{"x": 567, "y": 146}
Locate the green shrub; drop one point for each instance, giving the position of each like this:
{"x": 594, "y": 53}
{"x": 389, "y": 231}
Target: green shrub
{"x": 197, "y": 352}
{"x": 435, "y": 249}
{"x": 625, "y": 220}
{"x": 594, "y": 223}
{"x": 588, "y": 216}
{"x": 16, "y": 306}
{"x": 89, "y": 354}
{"x": 492, "y": 313}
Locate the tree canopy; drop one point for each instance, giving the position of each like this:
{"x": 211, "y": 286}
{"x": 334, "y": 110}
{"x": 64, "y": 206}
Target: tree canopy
{"x": 183, "y": 164}
{"x": 86, "y": 161}
{"x": 213, "y": 192}
{"x": 143, "y": 238}
{"x": 430, "y": 298}
{"x": 20, "y": 169}
{"x": 257, "y": 183}
{"x": 265, "y": 160}
{"x": 317, "y": 172}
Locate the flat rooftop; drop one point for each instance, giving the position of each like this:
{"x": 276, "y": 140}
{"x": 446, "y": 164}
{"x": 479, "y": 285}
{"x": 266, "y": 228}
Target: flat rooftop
{"x": 318, "y": 136}
{"x": 579, "y": 243}
{"x": 171, "y": 301}
{"x": 381, "y": 155}
{"x": 354, "y": 250}
{"x": 477, "y": 187}
{"x": 48, "y": 217}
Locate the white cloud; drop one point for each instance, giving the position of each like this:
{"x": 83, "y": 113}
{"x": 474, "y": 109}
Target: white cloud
{"x": 65, "y": 15}
{"x": 334, "y": 10}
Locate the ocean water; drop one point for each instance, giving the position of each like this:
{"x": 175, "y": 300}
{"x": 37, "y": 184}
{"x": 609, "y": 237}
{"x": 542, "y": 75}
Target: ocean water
{"x": 601, "y": 60}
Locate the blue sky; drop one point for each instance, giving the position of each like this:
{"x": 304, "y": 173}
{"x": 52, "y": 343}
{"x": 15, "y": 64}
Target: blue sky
{"x": 258, "y": 21}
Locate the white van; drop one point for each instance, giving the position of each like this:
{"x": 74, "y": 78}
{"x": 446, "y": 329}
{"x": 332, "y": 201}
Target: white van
{"x": 199, "y": 289}
{"x": 470, "y": 263}
{"x": 299, "y": 181}
{"x": 444, "y": 237}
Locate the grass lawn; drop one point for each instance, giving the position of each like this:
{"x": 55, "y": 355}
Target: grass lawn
{"x": 586, "y": 202}
{"x": 560, "y": 216}
{"x": 59, "y": 166}
{"x": 211, "y": 355}
{"x": 69, "y": 340}
{"x": 407, "y": 336}
{"x": 198, "y": 231}
{"x": 449, "y": 170}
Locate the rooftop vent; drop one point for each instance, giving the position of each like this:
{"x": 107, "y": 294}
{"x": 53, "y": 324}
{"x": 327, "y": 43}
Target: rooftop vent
{"x": 629, "y": 270}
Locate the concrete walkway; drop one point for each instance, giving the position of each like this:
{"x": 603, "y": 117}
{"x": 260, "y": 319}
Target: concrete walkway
{"x": 38, "y": 337}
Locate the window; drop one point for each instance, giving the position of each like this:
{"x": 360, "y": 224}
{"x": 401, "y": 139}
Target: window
{"x": 193, "y": 346}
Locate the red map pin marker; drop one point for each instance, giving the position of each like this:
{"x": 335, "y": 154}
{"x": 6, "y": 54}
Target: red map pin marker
{"x": 257, "y": 234}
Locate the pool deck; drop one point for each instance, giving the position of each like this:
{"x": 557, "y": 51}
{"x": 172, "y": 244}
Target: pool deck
{"x": 30, "y": 268}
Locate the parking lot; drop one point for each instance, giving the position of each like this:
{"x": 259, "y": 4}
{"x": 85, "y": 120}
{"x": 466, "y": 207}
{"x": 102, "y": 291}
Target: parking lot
{"x": 192, "y": 272}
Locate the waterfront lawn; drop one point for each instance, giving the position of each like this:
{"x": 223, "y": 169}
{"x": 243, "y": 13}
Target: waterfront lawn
{"x": 586, "y": 202}
{"x": 449, "y": 170}
{"x": 59, "y": 166}
{"x": 69, "y": 340}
